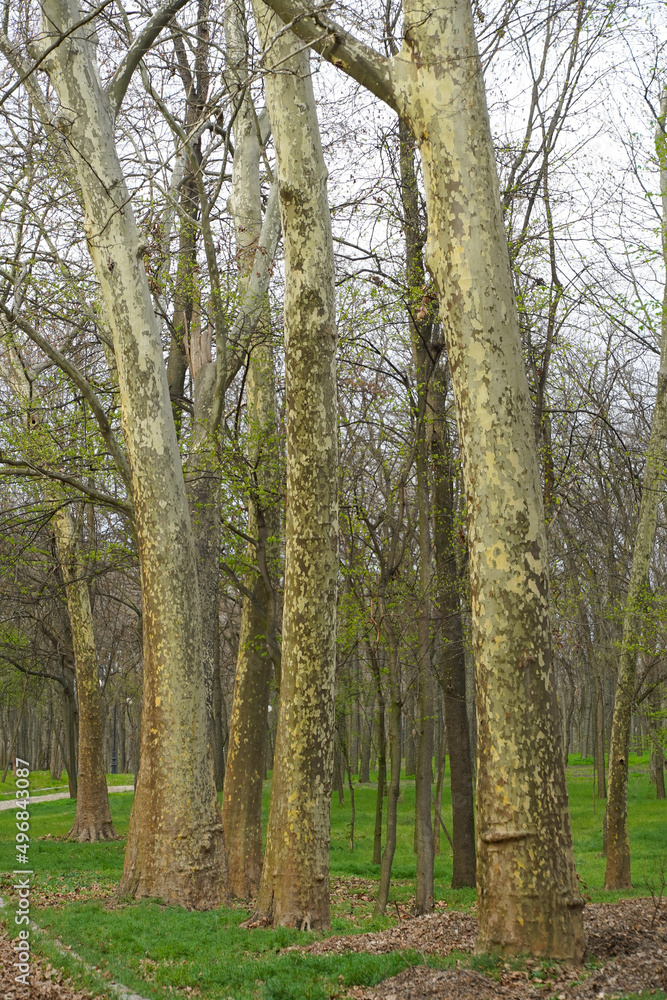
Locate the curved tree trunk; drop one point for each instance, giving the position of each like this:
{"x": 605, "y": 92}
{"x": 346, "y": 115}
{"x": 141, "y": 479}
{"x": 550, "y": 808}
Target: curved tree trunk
{"x": 93, "y": 816}
{"x": 175, "y": 848}
{"x": 294, "y": 887}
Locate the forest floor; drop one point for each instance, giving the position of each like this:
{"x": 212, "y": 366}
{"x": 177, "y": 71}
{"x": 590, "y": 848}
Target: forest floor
{"x": 627, "y": 956}
{"x": 167, "y": 953}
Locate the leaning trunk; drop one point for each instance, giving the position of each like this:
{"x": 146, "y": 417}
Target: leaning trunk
{"x": 175, "y": 848}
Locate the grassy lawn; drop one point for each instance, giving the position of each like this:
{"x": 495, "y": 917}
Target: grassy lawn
{"x": 164, "y": 952}
{"x": 41, "y": 783}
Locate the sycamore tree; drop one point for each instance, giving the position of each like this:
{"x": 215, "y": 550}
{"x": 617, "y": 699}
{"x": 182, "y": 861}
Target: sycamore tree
{"x": 528, "y": 894}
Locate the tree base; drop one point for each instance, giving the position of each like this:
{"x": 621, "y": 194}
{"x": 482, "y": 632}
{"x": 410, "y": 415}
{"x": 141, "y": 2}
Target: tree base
{"x": 90, "y": 832}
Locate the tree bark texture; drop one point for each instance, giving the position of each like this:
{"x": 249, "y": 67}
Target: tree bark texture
{"x": 529, "y": 899}
{"x": 242, "y": 799}
{"x": 294, "y": 887}
{"x": 420, "y": 334}
{"x": 93, "y": 816}
{"x": 528, "y": 895}
{"x": 175, "y": 848}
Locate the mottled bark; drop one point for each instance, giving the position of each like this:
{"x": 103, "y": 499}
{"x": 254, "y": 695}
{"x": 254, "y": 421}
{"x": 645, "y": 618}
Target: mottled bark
{"x": 203, "y": 489}
{"x": 294, "y": 887}
{"x": 93, "y": 816}
{"x": 452, "y": 675}
{"x": 175, "y": 848}
{"x": 242, "y": 799}
{"x": 528, "y": 894}
{"x": 617, "y": 873}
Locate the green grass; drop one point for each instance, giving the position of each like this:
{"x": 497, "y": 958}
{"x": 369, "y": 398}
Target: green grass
{"x": 41, "y": 783}
{"x": 163, "y": 952}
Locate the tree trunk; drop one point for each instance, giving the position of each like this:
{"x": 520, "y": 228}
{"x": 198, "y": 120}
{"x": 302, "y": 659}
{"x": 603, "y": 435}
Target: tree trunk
{"x": 395, "y": 721}
{"x": 382, "y": 762}
{"x": 175, "y": 848}
{"x": 93, "y": 816}
{"x": 294, "y": 887}
{"x": 617, "y": 874}
{"x": 409, "y": 710}
{"x": 529, "y": 900}
{"x": 420, "y": 334}
{"x": 452, "y": 675}
{"x": 70, "y": 730}
{"x": 366, "y": 742}
{"x": 242, "y": 799}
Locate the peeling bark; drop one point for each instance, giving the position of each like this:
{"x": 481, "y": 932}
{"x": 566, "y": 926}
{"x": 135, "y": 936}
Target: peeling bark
{"x": 175, "y": 849}
{"x": 242, "y": 799}
{"x": 294, "y": 887}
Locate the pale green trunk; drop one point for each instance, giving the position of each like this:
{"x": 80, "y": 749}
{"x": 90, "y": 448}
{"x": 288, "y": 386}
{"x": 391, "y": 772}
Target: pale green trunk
{"x": 294, "y": 888}
{"x": 175, "y": 848}
{"x": 242, "y": 799}
{"x": 528, "y": 896}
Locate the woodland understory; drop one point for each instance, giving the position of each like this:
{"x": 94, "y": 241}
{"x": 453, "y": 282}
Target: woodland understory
{"x": 333, "y": 437}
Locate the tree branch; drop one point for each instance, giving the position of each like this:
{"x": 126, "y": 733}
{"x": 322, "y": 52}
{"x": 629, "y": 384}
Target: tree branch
{"x": 136, "y": 52}
{"x": 83, "y": 385}
{"x": 339, "y": 47}
{"x": 16, "y": 468}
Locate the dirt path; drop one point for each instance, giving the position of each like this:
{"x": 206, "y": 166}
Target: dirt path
{"x": 11, "y": 804}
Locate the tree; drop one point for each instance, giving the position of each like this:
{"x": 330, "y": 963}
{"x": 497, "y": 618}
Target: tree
{"x": 259, "y": 650}
{"x": 294, "y": 887}
{"x": 528, "y": 894}
{"x": 175, "y": 846}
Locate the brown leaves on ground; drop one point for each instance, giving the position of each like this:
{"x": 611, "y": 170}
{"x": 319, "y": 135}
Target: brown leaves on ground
{"x": 627, "y": 953}
{"x": 46, "y": 983}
